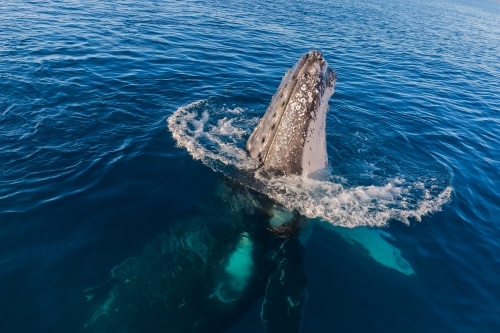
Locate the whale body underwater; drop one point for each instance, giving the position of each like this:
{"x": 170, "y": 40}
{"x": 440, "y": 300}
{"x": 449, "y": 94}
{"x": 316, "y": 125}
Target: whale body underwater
{"x": 240, "y": 246}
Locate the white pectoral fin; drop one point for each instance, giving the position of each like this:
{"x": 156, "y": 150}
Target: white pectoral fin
{"x": 375, "y": 242}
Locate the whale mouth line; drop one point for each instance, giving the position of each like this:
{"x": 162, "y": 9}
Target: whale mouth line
{"x": 216, "y": 134}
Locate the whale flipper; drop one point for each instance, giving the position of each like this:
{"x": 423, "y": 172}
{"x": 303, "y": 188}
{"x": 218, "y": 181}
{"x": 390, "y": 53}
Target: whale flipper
{"x": 168, "y": 285}
{"x": 375, "y": 242}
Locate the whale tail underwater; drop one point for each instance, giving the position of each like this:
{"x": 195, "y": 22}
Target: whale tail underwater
{"x": 240, "y": 246}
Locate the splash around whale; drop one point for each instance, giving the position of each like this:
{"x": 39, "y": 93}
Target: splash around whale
{"x": 286, "y": 155}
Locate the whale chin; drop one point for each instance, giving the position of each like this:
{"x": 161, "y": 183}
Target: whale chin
{"x": 291, "y": 138}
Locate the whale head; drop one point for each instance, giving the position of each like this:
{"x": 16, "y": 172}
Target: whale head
{"x": 290, "y": 138}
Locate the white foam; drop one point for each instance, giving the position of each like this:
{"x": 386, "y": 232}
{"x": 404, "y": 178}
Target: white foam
{"x": 219, "y": 143}
{"x": 352, "y": 207}
{"x": 206, "y": 141}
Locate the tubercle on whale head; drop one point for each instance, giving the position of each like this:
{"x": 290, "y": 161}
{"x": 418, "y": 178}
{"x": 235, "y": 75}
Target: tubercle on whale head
{"x": 290, "y": 137}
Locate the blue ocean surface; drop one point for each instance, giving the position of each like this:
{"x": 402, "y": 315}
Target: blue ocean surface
{"x": 118, "y": 119}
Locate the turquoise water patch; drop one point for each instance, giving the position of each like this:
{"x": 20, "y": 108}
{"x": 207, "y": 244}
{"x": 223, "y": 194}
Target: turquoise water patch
{"x": 280, "y": 217}
{"x": 375, "y": 242}
{"x": 240, "y": 263}
{"x": 237, "y": 273}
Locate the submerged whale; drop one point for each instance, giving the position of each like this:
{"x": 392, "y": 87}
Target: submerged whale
{"x": 208, "y": 271}
{"x": 240, "y": 246}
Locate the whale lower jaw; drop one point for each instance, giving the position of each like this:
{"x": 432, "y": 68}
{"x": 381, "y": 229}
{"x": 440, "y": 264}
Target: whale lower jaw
{"x": 291, "y": 136}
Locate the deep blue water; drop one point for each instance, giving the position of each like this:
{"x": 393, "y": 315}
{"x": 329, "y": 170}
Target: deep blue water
{"x": 91, "y": 174}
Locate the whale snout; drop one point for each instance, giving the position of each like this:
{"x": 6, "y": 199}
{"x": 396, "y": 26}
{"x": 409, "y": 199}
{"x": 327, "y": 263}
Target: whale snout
{"x": 290, "y": 137}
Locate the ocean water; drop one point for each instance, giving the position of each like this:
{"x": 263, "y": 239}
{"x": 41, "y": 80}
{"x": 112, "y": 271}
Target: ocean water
{"x": 92, "y": 173}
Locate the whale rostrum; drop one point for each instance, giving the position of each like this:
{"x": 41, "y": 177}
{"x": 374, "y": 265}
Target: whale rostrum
{"x": 290, "y": 137}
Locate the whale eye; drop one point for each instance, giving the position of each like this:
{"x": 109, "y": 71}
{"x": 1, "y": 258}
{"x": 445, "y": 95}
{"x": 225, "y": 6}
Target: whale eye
{"x": 274, "y": 115}
{"x": 263, "y": 139}
{"x": 272, "y": 127}
{"x": 283, "y": 104}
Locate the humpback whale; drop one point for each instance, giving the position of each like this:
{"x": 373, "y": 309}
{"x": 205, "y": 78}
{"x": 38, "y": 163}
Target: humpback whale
{"x": 240, "y": 246}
